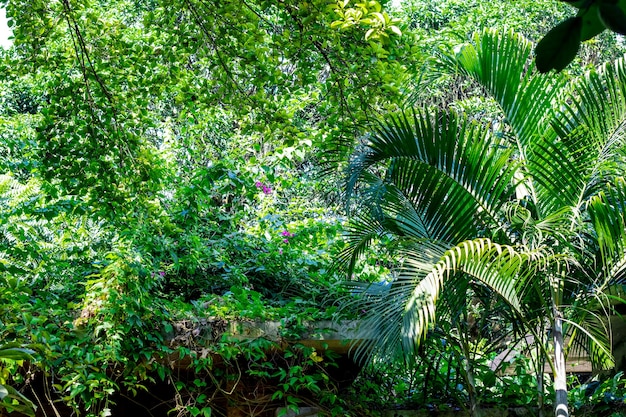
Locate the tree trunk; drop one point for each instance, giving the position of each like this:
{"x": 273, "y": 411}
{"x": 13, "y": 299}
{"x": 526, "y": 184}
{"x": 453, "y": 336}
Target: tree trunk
{"x": 541, "y": 359}
{"x": 468, "y": 372}
{"x": 471, "y": 389}
{"x": 560, "y": 376}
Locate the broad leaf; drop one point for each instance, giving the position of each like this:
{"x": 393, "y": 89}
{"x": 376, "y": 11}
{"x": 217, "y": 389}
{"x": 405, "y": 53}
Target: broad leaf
{"x": 559, "y": 46}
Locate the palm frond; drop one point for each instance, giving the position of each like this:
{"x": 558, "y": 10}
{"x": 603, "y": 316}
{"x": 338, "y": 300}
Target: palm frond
{"x": 590, "y": 333}
{"x": 422, "y": 276}
{"x": 588, "y": 147}
{"x": 607, "y": 213}
{"x": 442, "y": 165}
{"x": 359, "y": 235}
{"x": 386, "y": 329}
{"x": 499, "y": 62}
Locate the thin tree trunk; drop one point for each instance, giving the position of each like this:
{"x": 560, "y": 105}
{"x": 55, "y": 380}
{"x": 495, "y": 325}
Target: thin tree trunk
{"x": 560, "y": 376}
{"x": 540, "y": 402}
{"x": 541, "y": 363}
{"x": 468, "y": 369}
{"x": 471, "y": 388}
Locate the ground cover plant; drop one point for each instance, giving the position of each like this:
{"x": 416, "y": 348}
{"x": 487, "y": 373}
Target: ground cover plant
{"x": 165, "y": 172}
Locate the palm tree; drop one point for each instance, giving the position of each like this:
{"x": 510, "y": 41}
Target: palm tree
{"x": 533, "y": 212}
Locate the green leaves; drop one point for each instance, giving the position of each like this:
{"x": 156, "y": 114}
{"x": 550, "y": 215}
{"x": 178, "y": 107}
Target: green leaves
{"x": 592, "y": 24}
{"x": 422, "y": 152}
{"x": 368, "y": 14}
{"x": 525, "y": 99}
{"x": 426, "y": 201}
{"x": 15, "y": 352}
{"x": 12, "y": 400}
{"x": 607, "y": 212}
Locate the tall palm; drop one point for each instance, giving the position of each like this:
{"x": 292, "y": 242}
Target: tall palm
{"x": 535, "y": 214}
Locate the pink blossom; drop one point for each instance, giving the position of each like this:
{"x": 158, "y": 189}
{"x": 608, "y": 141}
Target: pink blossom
{"x": 266, "y": 189}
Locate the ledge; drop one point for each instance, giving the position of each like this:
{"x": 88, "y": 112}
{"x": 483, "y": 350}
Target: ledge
{"x": 321, "y": 335}
{"x": 198, "y": 336}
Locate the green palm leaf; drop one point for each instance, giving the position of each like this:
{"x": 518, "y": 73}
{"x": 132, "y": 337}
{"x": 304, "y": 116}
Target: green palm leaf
{"x": 587, "y": 148}
{"x": 425, "y": 271}
{"x": 536, "y": 219}
{"x": 607, "y": 213}
{"x": 443, "y": 167}
{"x": 499, "y": 62}
{"x": 589, "y": 332}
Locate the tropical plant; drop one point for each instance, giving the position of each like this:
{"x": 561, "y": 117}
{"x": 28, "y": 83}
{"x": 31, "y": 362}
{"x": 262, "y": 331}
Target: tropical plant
{"x": 11, "y": 399}
{"x": 600, "y": 398}
{"x": 527, "y": 208}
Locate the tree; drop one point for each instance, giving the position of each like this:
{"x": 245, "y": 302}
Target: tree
{"x": 136, "y": 132}
{"x": 529, "y": 206}
{"x": 115, "y": 75}
{"x": 566, "y": 38}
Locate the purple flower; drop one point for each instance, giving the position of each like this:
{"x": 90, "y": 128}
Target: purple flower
{"x": 280, "y": 251}
{"x": 162, "y": 273}
{"x": 266, "y": 189}
{"x": 286, "y": 233}
{"x": 286, "y": 240}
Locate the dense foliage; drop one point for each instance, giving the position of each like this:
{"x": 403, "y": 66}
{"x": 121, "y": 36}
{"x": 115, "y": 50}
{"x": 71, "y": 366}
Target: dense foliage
{"x": 170, "y": 168}
{"x": 517, "y": 212}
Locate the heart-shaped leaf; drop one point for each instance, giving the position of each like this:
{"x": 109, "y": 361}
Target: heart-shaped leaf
{"x": 613, "y": 17}
{"x": 559, "y": 46}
